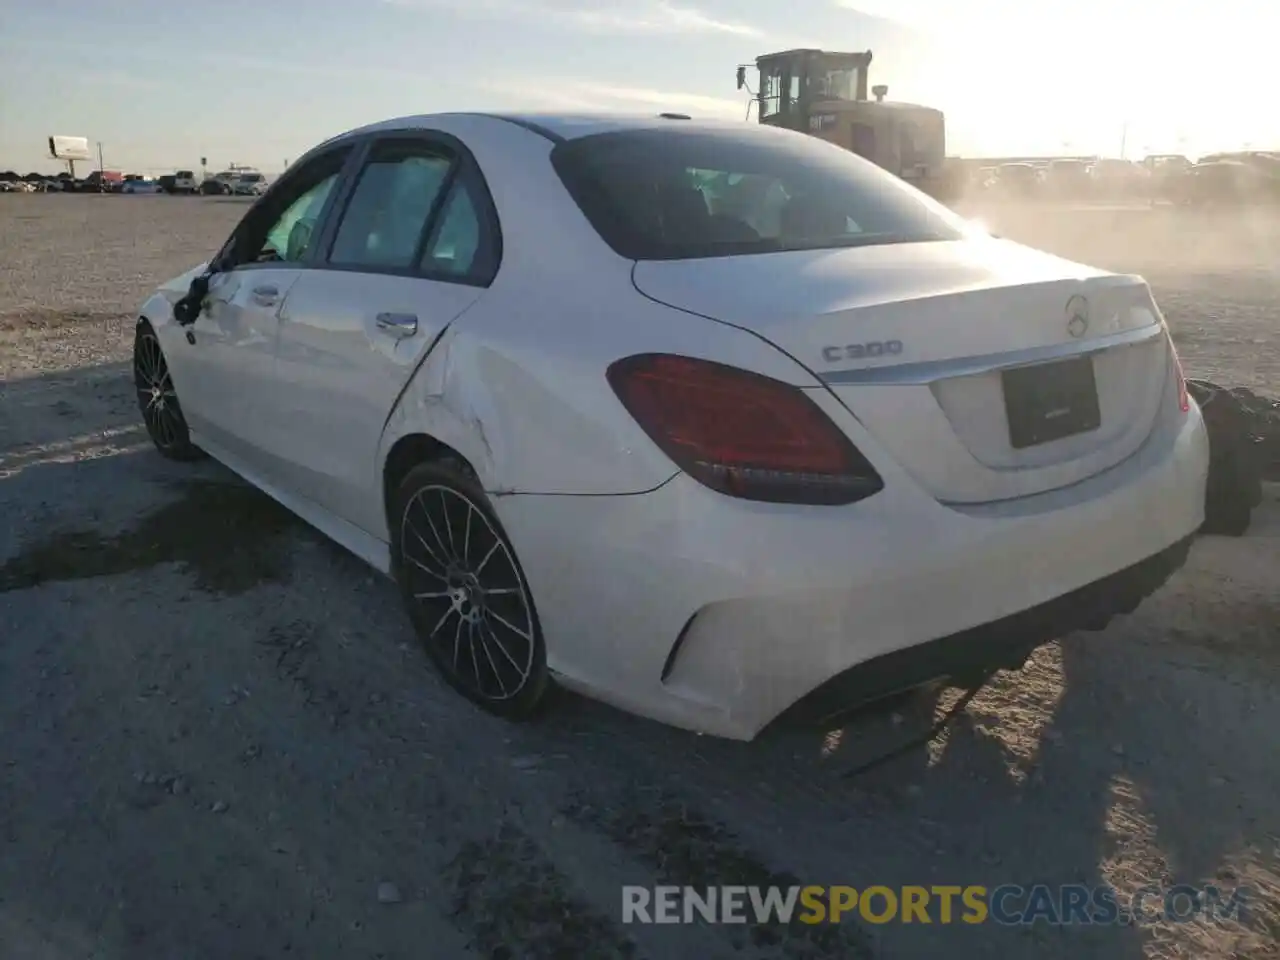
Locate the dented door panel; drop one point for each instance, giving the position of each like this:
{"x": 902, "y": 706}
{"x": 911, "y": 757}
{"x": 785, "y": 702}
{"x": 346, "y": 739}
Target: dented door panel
{"x": 339, "y": 372}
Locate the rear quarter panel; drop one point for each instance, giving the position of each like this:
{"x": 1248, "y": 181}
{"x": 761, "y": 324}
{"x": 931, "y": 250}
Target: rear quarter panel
{"x": 518, "y": 386}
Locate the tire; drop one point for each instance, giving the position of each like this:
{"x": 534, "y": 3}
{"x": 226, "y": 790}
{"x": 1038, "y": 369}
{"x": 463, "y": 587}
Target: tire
{"x": 158, "y": 400}
{"x": 1234, "y": 487}
{"x": 465, "y": 591}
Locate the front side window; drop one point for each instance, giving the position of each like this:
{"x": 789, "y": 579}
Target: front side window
{"x": 289, "y": 238}
{"x": 670, "y": 195}
{"x": 840, "y": 84}
{"x": 386, "y": 219}
{"x": 280, "y": 227}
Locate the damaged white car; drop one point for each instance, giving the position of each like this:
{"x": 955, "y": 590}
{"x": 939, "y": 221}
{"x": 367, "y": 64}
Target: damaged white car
{"x": 719, "y": 423}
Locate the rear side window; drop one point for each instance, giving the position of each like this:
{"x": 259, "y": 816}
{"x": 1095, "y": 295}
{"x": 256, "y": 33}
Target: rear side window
{"x": 675, "y": 194}
{"x": 461, "y": 246}
{"x": 385, "y": 220}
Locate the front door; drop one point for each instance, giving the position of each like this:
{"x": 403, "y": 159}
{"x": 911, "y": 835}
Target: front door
{"x": 414, "y": 247}
{"x": 233, "y": 355}
{"x": 234, "y": 349}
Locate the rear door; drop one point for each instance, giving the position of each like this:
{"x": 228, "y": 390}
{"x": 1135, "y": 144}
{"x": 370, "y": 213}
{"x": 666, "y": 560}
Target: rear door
{"x": 414, "y": 244}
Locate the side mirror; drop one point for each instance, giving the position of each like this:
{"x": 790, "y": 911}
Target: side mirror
{"x": 742, "y": 77}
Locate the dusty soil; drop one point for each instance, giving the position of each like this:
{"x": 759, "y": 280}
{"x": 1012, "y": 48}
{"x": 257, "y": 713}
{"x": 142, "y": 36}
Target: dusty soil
{"x": 218, "y": 740}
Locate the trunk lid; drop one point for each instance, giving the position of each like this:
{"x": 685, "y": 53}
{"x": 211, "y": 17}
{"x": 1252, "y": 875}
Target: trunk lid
{"x": 960, "y": 358}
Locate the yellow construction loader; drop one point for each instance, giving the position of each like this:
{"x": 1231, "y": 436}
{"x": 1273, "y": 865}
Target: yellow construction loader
{"x": 824, "y": 93}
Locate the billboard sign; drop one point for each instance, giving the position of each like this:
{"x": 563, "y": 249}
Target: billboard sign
{"x": 69, "y": 148}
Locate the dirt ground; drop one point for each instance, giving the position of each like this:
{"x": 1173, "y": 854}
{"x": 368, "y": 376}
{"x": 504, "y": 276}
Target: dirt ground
{"x": 218, "y": 740}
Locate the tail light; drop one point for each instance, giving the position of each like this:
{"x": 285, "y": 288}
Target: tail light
{"x": 1184, "y": 398}
{"x": 740, "y": 433}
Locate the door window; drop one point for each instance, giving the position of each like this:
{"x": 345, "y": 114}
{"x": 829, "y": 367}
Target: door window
{"x": 387, "y": 216}
{"x": 290, "y": 236}
{"x": 281, "y": 227}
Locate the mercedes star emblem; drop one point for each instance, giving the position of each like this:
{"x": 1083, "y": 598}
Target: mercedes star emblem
{"x": 1077, "y": 316}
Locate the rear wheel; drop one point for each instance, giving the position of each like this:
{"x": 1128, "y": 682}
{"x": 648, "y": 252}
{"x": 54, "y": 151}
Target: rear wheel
{"x": 466, "y": 592}
{"x": 158, "y": 400}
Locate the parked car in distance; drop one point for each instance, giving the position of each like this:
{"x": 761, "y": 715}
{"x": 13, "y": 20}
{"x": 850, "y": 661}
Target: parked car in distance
{"x": 100, "y": 181}
{"x": 184, "y": 181}
{"x": 1018, "y": 179}
{"x": 1067, "y": 178}
{"x": 214, "y": 187}
{"x": 704, "y": 454}
{"x": 1227, "y": 181}
{"x": 1114, "y": 177}
{"x": 249, "y": 185}
{"x": 140, "y": 186}
{"x": 167, "y": 183}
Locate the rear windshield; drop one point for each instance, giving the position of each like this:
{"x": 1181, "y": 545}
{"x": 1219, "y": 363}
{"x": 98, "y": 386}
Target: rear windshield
{"x": 674, "y": 194}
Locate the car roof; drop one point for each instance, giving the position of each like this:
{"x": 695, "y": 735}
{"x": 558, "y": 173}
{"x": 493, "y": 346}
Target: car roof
{"x": 562, "y": 126}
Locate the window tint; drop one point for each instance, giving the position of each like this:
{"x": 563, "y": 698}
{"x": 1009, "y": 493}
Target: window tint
{"x": 678, "y": 194}
{"x": 455, "y": 250}
{"x": 384, "y": 221}
{"x": 279, "y": 228}
{"x": 289, "y": 238}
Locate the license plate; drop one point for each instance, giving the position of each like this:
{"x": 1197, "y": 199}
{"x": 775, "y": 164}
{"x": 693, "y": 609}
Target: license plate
{"x": 1050, "y": 401}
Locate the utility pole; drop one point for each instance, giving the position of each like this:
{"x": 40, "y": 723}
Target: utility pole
{"x": 1124, "y": 140}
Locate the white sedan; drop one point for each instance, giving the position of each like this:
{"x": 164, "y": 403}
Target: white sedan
{"x": 709, "y": 421}
{"x": 249, "y": 185}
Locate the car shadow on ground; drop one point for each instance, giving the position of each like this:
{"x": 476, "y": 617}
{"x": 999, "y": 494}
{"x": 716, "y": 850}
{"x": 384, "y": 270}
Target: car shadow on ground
{"x": 170, "y": 625}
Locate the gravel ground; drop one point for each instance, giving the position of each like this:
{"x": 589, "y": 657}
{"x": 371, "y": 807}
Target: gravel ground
{"x": 218, "y": 740}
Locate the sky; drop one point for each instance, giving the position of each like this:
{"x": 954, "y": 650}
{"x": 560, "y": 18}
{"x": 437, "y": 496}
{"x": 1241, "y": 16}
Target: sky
{"x": 161, "y": 85}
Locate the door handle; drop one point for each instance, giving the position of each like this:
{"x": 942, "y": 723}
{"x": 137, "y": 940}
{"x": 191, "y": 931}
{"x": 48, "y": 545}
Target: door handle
{"x": 399, "y": 325}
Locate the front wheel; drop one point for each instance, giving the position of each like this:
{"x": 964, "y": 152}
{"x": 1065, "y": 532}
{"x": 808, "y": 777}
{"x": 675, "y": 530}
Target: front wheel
{"x": 466, "y": 592}
{"x": 158, "y": 400}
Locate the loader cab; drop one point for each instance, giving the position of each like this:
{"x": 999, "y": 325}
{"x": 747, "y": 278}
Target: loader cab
{"x": 793, "y": 81}
{"x": 824, "y": 94}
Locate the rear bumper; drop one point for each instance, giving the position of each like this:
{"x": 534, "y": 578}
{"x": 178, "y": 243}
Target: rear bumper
{"x": 718, "y": 615}
{"x": 1003, "y": 644}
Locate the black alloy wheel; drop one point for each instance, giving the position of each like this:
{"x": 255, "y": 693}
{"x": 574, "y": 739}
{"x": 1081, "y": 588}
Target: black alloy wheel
{"x": 466, "y": 592}
{"x": 158, "y": 400}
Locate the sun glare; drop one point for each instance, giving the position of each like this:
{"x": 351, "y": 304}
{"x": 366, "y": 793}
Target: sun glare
{"x": 1087, "y": 76}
